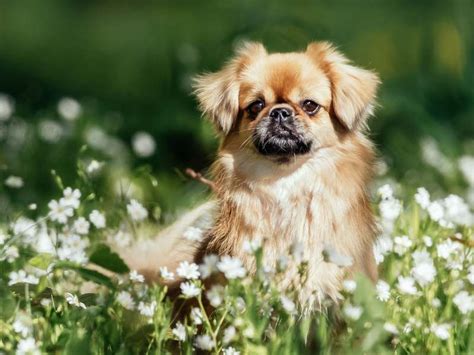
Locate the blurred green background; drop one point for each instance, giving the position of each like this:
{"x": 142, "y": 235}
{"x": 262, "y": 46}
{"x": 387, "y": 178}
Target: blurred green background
{"x": 129, "y": 64}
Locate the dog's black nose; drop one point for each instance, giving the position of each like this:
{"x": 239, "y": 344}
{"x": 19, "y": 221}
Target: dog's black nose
{"x": 282, "y": 114}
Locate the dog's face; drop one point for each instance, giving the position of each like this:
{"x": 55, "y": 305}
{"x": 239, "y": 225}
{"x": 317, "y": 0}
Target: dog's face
{"x": 286, "y": 105}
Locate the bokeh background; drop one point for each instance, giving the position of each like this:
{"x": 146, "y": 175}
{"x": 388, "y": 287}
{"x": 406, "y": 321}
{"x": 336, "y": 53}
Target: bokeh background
{"x": 127, "y": 67}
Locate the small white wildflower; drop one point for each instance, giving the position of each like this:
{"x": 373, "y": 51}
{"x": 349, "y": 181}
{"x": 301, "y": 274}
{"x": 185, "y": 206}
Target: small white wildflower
{"x": 457, "y": 211}
{"x": 391, "y": 328}
{"x": 59, "y": 212}
{"x": 122, "y": 238}
{"x": 251, "y": 246}
{"x": 441, "y": 330}
{"x": 209, "y": 265}
{"x": 427, "y": 241}
{"x": 147, "y": 309}
{"x": 3, "y": 237}
{"x": 179, "y": 331}
{"x": 231, "y": 267}
{"x": 97, "y": 219}
{"x": 204, "y": 342}
{"x": 136, "y": 277}
{"x": 249, "y": 332}
{"x": 422, "y": 197}
{"x": 93, "y": 167}
{"x": 71, "y": 198}
{"x": 464, "y": 301}
{"x": 436, "y": 302}
{"x": 470, "y": 275}
{"x": 50, "y": 131}
{"x": 69, "y": 108}
{"x": 466, "y": 165}
{"x": 21, "y": 276}
{"x": 14, "y": 182}
{"x": 215, "y": 295}
{"x": 188, "y": 270}
{"x": 349, "y": 285}
{"x": 196, "y": 316}
{"x": 383, "y": 245}
{"x": 230, "y": 351}
{"x": 447, "y": 248}
{"x": 74, "y": 300}
{"x": 331, "y": 255}
{"x": 165, "y": 274}
{"x": 81, "y": 226}
{"x": 136, "y": 211}
{"x": 143, "y": 144}
{"x": 385, "y": 192}
{"x": 193, "y": 234}
{"x": 46, "y": 302}
{"x": 407, "y": 285}
{"x": 288, "y": 305}
{"x": 7, "y": 107}
{"x": 435, "y": 211}
{"x": 390, "y": 209}
{"x": 383, "y": 290}
{"x": 352, "y": 312}
{"x": 126, "y": 301}
{"x": 32, "y": 206}
{"x": 11, "y": 254}
{"x": 27, "y": 346}
{"x": 23, "y": 324}
{"x": 229, "y": 334}
{"x": 401, "y": 244}
{"x": 189, "y": 290}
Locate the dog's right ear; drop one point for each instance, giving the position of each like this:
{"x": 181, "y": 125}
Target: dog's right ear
{"x": 218, "y": 93}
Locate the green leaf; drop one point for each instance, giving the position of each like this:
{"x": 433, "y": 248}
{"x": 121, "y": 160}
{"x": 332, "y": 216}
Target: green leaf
{"x": 7, "y": 302}
{"x": 41, "y": 261}
{"x": 78, "y": 343}
{"x": 375, "y": 336}
{"x": 95, "y": 276}
{"x": 106, "y": 258}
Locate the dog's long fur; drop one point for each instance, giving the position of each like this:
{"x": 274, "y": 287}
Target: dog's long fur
{"x": 315, "y": 199}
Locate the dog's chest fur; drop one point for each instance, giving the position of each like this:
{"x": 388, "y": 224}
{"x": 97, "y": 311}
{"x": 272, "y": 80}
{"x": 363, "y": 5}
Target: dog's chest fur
{"x": 307, "y": 207}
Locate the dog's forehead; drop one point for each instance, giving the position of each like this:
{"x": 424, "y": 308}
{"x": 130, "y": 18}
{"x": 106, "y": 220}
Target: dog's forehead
{"x": 285, "y": 75}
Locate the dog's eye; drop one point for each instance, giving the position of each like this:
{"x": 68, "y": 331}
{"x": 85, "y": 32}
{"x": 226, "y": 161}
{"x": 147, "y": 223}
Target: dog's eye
{"x": 310, "y": 106}
{"x": 255, "y": 107}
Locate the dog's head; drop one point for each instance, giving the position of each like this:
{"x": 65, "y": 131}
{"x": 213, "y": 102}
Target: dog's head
{"x": 286, "y": 105}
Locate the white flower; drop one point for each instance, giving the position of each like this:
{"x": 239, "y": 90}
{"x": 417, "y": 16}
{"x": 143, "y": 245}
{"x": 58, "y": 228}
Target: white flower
{"x": 74, "y": 300}
{"x": 288, "y": 305}
{"x": 428, "y": 241}
{"x": 188, "y": 271}
{"x": 457, "y": 211}
{"x": 3, "y": 237}
{"x": 215, "y": 295}
{"x": 21, "y": 276}
{"x": 230, "y": 351}
{"x": 136, "y": 277}
{"x": 436, "y": 211}
{"x": 349, "y": 285}
{"x": 196, "y": 316}
{"x": 436, "y": 303}
{"x": 447, "y": 248}
{"x": 423, "y": 270}
{"x": 204, "y": 342}
{"x": 69, "y": 109}
{"x": 71, "y": 198}
{"x": 50, "y": 131}
{"x": 209, "y": 265}
{"x": 229, "y": 334}
{"x": 32, "y": 206}
{"x": 383, "y": 245}
{"x": 126, "y": 301}
{"x": 352, "y": 312}
{"x": 7, "y": 107}
{"x": 441, "y": 330}
{"x": 401, "y": 244}
{"x": 122, "y": 239}
{"x": 143, "y": 144}
{"x": 385, "y": 192}
{"x": 464, "y": 301}
{"x": 147, "y": 309}
{"x": 27, "y": 346}
{"x": 470, "y": 275}
{"x": 73, "y": 248}
{"x": 165, "y": 274}
{"x": 383, "y": 290}
{"x": 390, "y": 209}
{"x": 23, "y": 324}
{"x": 407, "y": 285}
{"x": 391, "y": 328}
{"x": 193, "y": 234}
{"x": 11, "y": 254}
{"x": 231, "y": 267}
{"x": 136, "y": 211}
{"x": 331, "y": 255}
{"x": 432, "y": 155}
{"x": 59, "y": 212}
{"x": 189, "y": 290}
{"x": 466, "y": 165}
{"x": 27, "y": 229}
{"x": 97, "y": 219}
{"x": 251, "y": 246}
{"x": 179, "y": 331}
{"x": 422, "y": 197}
{"x": 15, "y": 182}
{"x": 81, "y": 226}
{"x": 93, "y": 167}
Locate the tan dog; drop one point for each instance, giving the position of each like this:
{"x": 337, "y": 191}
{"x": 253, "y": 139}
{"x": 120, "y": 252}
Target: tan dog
{"x": 293, "y": 166}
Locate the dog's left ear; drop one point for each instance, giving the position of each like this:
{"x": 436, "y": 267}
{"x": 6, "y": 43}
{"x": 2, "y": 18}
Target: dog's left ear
{"x": 218, "y": 93}
{"x": 353, "y": 89}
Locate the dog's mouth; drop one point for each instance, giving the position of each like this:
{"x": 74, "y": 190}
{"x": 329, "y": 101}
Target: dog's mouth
{"x": 286, "y": 144}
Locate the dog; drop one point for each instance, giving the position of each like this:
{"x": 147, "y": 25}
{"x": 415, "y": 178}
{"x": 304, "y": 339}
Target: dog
{"x": 293, "y": 168}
